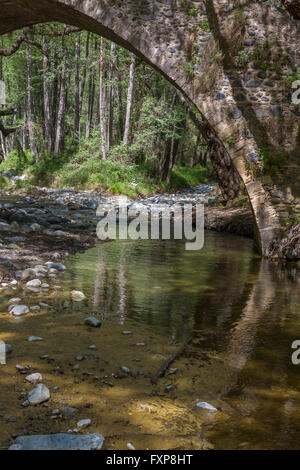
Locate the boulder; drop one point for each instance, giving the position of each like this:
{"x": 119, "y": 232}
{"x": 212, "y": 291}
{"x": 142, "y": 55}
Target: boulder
{"x": 59, "y": 442}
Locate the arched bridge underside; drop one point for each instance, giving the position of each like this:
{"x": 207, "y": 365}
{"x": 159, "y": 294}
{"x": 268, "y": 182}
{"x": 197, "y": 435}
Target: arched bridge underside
{"x": 234, "y": 60}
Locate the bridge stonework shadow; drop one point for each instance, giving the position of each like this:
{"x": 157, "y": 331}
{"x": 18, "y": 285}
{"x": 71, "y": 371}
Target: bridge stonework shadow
{"x": 230, "y": 59}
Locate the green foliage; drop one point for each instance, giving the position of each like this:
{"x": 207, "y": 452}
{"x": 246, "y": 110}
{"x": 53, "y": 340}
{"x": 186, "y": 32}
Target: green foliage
{"x": 205, "y": 25}
{"x": 242, "y": 58}
{"x": 272, "y": 160}
{"x": 159, "y": 122}
{"x": 17, "y": 161}
{"x": 193, "y": 11}
{"x": 4, "y": 182}
{"x": 189, "y": 69}
{"x": 291, "y": 78}
{"x": 85, "y": 169}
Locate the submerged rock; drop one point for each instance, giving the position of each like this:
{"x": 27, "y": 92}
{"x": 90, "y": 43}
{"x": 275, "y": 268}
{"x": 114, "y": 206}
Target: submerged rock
{"x": 68, "y": 411}
{"x": 203, "y": 405}
{"x": 32, "y": 339}
{"x": 84, "y": 423}
{"x": 77, "y": 295}
{"x": 130, "y": 446}
{"x": 59, "y": 442}
{"x": 38, "y": 395}
{"x": 92, "y": 321}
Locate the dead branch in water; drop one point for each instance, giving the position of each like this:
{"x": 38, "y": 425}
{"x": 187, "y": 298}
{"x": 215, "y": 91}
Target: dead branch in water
{"x": 162, "y": 370}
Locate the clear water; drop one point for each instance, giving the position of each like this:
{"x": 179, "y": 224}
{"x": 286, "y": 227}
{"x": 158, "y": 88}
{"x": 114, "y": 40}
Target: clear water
{"x": 238, "y": 314}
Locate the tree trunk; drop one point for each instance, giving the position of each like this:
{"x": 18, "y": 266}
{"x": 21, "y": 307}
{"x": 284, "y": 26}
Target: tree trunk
{"x": 91, "y": 99}
{"x": 47, "y": 110}
{"x": 76, "y": 136}
{"x": 129, "y": 99}
{"x": 102, "y": 99}
{"x": 30, "y": 109}
{"x": 61, "y": 104}
{"x": 111, "y": 96}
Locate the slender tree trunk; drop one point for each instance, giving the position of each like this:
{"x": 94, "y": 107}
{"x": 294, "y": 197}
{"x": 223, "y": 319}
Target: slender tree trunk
{"x": 194, "y": 155}
{"x": 47, "y": 110}
{"x": 129, "y": 99}
{"x": 61, "y": 104}
{"x": 77, "y": 93}
{"x": 83, "y": 80}
{"x": 23, "y": 136}
{"x": 30, "y": 110}
{"x": 111, "y": 96}
{"x": 91, "y": 98}
{"x": 120, "y": 104}
{"x": 102, "y": 99}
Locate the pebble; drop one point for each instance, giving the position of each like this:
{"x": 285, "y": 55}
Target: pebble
{"x": 77, "y": 295}
{"x": 34, "y": 283}
{"x": 15, "y": 300}
{"x": 34, "y": 378}
{"x": 80, "y": 358}
{"x": 32, "y": 339}
{"x": 92, "y": 321}
{"x": 130, "y": 446}
{"x": 58, "y": 266}
{"x": 35, "y": 308}
{"x": 84, "y": 423}
{"x": 68, "y": 411}
{"x": 203, "y": 405}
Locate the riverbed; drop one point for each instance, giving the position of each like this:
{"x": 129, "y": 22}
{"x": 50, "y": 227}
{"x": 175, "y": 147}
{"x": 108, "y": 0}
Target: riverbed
{"x": 237, "y": 314}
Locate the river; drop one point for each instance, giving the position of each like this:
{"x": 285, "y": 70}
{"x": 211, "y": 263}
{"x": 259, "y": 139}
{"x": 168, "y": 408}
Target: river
{"x": 238, "y": 314}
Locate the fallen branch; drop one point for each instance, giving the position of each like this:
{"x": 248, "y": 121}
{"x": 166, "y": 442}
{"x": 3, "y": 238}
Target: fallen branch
{"x": 162, "y": 370}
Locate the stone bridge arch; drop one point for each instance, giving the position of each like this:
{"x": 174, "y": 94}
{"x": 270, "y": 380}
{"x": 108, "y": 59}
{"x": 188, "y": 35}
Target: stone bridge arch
{"x": 235, "y": 62}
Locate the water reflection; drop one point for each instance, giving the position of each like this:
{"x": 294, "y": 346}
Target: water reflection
{"x": 243, "y": 310}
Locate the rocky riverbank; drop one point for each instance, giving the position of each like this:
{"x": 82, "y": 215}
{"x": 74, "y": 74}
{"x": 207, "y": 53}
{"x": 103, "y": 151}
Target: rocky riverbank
{"x": 51, "y": 224}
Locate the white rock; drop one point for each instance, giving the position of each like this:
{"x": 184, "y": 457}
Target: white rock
{"x": 15, "y": 300}
{"x": 38, "y": 395}
{"x": 34, "y": 378}
{"x": 84, "y": 423}
{"x": 77, "y": 295}
{"x": 130, "y": 446}
{"x": 32, "y": 339}
{"x": 203, "y": 405}
{"x": 35, "y": 308}
{"x": 34, "y": 283}
{"x": 19, "y": 310}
